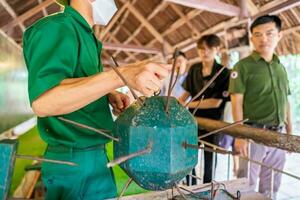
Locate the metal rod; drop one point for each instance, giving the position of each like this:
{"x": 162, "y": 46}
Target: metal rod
{"x": 272, "y": 184}
{"x": 196, "y": 177}
{"x": 46, "y": 160}
{"x": 224, "y": 151}
{"x": 125, "y": 81}
{"x": 180, "y": 192}
{"x": 130, "y": 156}
{"x": 214, "y": 164}
{"x": 198, "y": 105}
{"x": 223, "y": 128}
{"x": 228, "y": 167}
{"x": 125, "y": 188}
{"x": 176, "y": 78}
{"x": 100, "y": 131}
{"x": 206, "y": 86}
{"x": 190, "y": 192}
{"x": 171, "y": 80}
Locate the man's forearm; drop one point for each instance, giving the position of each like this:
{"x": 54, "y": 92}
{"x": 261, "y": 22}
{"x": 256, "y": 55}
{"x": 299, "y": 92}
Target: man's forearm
{"x": 73, "y": 94}
{"x": 288, "y": 122}
{"x": 206, "y": 103}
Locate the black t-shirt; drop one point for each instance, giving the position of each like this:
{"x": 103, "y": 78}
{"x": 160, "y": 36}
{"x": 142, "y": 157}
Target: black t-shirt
{"x": 195, "y": 81}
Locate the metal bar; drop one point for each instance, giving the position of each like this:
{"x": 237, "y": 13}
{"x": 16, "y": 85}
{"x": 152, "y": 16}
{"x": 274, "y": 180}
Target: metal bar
{"x": 213, "y": 164}
{"x": 125, "y": 82}
{"x": 180, "y": 192}
{"x": 272, "y": 184}
{"x": 130, "y": 156}
{"x": 125, "y": 188}
{"x": 100, "y": 131}
{"x": 46, "y": 160}
{"x": 198, "y": 105}
{"x": 223, "y": 128}
{"x": 206, "y": 86}
{"x": 171, "y": 80}
{"x": 224, "y": 151}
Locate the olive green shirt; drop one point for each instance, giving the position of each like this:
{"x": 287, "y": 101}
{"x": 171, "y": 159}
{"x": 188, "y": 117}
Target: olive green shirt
{"x": 59, "y": 47}
{"x": 265, "y": 88}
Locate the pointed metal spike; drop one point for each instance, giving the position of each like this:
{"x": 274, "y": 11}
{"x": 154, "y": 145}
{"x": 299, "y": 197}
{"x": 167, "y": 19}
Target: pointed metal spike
{"x": 176, "y": 53}
{"x": 130, "y": 156}
{"x": 100, "y": 131}
{"x": 198, "y": 105}
{"x": 125, "y": 81}
{"x": 180, "y": 192}
{"x": 46, "y": 160}
{"x": 125, "y": 188}
{"x": 217, "y": 149}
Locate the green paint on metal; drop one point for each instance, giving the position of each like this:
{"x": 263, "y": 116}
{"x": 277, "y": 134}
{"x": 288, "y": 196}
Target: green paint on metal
{"x": 8, "y": 150}
{"x": 168, "y": 161}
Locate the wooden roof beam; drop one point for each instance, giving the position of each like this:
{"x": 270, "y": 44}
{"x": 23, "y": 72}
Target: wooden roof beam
{"x": 278, "y": 8}
{"x": 177, "y": 24}
{"x": 27, "y": 15}
{"x": 12, "y": 13}
{"x": 45, "y": 12}
{"x": 214, "y": 6}
{"x": 114, "y": 20}
{"x": 137, "y": 31}
{"x": 149, "y": 26}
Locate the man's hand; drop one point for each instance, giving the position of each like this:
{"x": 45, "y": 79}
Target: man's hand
{"x": 118, "y": 101}
{"x": 146, "y": 77}
{"x": 241, "y": 147}
{"x": 181, "y": 64}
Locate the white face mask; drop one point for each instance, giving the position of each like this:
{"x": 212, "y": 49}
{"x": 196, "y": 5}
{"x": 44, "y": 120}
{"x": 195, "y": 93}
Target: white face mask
{"x": 103, "y": 11}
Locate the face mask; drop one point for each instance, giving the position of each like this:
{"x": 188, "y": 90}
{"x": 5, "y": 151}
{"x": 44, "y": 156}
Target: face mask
{"x": 103, "y": 11}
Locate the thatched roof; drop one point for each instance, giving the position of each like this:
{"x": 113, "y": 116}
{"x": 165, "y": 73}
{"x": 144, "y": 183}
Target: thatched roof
{"x": 145, "y": 28}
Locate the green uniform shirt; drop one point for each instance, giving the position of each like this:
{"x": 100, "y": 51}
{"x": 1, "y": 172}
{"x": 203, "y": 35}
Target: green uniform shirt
{"x": 58, "y": 47}
{"x": 265, "y": 88}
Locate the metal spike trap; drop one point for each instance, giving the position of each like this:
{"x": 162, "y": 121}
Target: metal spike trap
{"x": 130, "y": 156}
{"x": 100, "y": 131}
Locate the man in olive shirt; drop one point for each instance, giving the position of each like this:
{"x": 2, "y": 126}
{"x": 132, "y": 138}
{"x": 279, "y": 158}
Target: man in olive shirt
{"x": 259, "y": 91}
{"x": 66, "y": 79}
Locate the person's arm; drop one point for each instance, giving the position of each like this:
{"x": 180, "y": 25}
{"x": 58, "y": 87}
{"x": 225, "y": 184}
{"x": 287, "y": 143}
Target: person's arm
{"x": 288, "y": 121}
{"x": 182, "y": 99}
{"x": 73, "y": 94}
{"x": 206, "y": 103}
{"x": 240, "y": 145}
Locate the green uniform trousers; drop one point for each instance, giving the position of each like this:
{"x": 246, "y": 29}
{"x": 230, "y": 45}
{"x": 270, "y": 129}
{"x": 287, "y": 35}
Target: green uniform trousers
{"x": 90, "y": 180}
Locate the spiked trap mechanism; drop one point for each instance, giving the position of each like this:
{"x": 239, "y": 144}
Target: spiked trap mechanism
{"x": 141, "y": 126}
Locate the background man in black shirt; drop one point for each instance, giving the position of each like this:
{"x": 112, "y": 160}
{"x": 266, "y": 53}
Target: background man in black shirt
{"x": 215, "y": 97}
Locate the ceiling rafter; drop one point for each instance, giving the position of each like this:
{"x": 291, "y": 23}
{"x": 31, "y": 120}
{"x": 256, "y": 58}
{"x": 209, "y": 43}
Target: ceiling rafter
{"x": 137, "y": 31}
{"x": 45, "y": 12}
{"x": 214, "y": 6}
{"x": 277, "y": 8}
{"x": 177, "y": 24}
{"x": 114, "y": 20}
{"x": 28, "y": 14}
{"x": 185, "y": 18}
{"x": 12, "y": 13}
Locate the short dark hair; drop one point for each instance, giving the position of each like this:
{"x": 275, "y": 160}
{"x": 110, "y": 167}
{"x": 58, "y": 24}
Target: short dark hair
{"x": 210, "y": 40}
{"x": 266, "y": 19}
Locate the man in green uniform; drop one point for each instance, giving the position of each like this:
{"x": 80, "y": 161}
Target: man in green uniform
{"x": 66, "y": 79}
{"x": 259, "y": 91}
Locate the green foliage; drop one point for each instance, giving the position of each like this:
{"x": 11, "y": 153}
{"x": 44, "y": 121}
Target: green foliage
{"x": 292, "y": 66}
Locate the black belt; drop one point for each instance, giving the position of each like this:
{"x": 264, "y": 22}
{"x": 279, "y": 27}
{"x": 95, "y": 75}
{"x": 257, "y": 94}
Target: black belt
{"x": 276, "y": 128}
